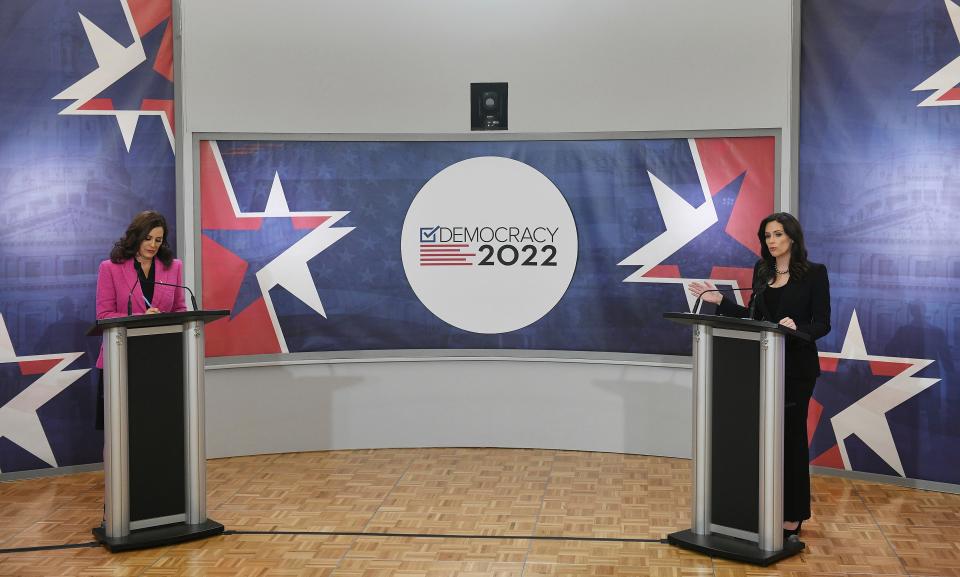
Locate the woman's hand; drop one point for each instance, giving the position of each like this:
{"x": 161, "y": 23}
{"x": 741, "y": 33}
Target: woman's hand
{"x": 152, "y": 311}
{"x": 698, "y": 289}
{"x": 788, "y": 322}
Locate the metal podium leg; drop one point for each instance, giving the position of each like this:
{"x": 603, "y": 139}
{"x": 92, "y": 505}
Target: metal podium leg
{"x": 771, "y": 441}
{"x": 702, "y": 398}
{"x": 193, "y": 353}
{"x": 116, "y": 466}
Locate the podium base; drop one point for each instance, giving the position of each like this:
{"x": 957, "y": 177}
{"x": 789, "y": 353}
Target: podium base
{"x": 716, "y": 545}
{"x": 157, "y": 536}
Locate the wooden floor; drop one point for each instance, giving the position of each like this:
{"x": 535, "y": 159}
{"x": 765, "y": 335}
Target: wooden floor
{"x": 858, "y": 528}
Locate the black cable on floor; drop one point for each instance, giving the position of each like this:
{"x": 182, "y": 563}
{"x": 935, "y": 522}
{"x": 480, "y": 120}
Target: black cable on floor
{"x": 50, "y": 547}
{"x": 91, "y": 544}
{"x": 444, "y": 536}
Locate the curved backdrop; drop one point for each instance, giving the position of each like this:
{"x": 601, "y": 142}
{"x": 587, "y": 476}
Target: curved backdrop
{"x": 530, "y": 245}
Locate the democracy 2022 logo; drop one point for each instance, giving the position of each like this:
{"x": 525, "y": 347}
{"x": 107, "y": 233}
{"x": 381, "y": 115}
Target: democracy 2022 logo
{"x": 489, "y": 245}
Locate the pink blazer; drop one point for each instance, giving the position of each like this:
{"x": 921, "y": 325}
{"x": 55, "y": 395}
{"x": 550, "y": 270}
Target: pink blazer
{"x": 114, "y": 282}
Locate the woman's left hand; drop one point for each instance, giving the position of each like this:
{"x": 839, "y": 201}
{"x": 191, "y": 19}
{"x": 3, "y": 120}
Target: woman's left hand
{"x": 788, "y": 322}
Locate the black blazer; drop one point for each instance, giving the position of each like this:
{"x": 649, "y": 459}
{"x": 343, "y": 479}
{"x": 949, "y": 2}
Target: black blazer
{"x": 807, "y": 302}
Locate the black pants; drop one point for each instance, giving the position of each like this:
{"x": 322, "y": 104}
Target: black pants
{"x": 796, "y": 453}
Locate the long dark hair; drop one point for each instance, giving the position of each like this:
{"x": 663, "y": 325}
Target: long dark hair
{"x": 141, "y": 225}
{"x": 799, "y": 265}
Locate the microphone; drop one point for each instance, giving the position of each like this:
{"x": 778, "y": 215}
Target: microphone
{"x": 696, "y": 305}
{"x": 136, "y": 266}
{"x": 757, "y": 291}
{"x": 193, "y": 299}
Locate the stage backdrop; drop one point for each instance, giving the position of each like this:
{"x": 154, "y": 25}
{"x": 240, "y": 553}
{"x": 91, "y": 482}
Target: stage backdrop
{"x": 536, "y": 245}
{"x": 86, "y": 95}
{"x": 880, "y": 200}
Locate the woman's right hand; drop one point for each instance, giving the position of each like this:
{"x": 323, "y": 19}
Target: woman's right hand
{"x": 699, "y": 289}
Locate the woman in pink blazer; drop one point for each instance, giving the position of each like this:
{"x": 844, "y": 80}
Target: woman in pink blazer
{"x": 141, "y": 257}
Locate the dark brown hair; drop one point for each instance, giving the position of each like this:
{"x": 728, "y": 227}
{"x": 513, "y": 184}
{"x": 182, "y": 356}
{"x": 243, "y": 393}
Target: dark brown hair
{"x": 141, "y": 225}
{"x": 799, "y": 265}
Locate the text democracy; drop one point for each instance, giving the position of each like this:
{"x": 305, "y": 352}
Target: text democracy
{"x": 505, "y": 234}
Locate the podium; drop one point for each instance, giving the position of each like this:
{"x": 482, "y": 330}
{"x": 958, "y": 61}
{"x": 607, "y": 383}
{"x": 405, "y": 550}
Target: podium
{"x": 154, "y": 448}
{"x": 738, "y": 401}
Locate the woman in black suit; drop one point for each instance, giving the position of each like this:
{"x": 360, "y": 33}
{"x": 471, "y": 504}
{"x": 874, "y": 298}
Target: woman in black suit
{"x": 797, "y": 296}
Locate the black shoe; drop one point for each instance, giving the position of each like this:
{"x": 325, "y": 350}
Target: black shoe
{"x": 792, "y": 533}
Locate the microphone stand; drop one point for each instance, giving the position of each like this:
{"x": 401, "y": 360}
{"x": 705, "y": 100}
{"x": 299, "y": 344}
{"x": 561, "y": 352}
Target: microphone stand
{"x": 757, "y": 291}
{"x": 193, "y": 299}
{"x": 136, "y": 267}
{"x": 699, "y": 302}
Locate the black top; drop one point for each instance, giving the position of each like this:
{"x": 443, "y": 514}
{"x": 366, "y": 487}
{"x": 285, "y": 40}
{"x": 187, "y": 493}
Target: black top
{"x": 771, "y": 298}
{"x": 146, "y": 282}
{"x": 805, "y": 300}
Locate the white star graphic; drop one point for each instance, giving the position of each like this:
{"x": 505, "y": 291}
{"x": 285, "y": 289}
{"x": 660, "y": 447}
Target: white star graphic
{"x": 948, "y": 77}
{"x": 683, "y": 223}
{"x": 289, "y": 269}
{"x": 114, "y": 61}
{"x": 19, "y": 421}
{"x": 867, "y": 418}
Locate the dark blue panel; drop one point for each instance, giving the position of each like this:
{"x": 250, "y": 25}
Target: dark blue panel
{"x": 878, "y": 191}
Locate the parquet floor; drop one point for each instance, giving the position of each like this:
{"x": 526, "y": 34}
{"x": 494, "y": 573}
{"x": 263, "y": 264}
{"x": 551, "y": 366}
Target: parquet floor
{"x": 503, "y": 495}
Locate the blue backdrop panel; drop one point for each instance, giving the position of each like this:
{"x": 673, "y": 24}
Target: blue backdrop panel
{"x": 879, "y": 175}
{"x": 68, "y": 188}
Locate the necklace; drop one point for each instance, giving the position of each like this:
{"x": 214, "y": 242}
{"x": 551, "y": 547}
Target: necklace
{"x": 781, "y": 271}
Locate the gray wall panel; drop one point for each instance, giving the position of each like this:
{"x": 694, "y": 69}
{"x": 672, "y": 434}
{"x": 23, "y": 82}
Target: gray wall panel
{"x": 619, "y": 408}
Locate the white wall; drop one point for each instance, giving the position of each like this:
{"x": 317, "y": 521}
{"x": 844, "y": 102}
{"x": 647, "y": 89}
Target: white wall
{"x": 623, "y": 408}
{"x": 404, "y": 67}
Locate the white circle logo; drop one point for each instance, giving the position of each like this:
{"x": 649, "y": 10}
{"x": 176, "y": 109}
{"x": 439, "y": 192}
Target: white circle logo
{"x": 489, "y": 245}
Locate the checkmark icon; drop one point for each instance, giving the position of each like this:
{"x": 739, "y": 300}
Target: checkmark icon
{"x": 429, "y": 234}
